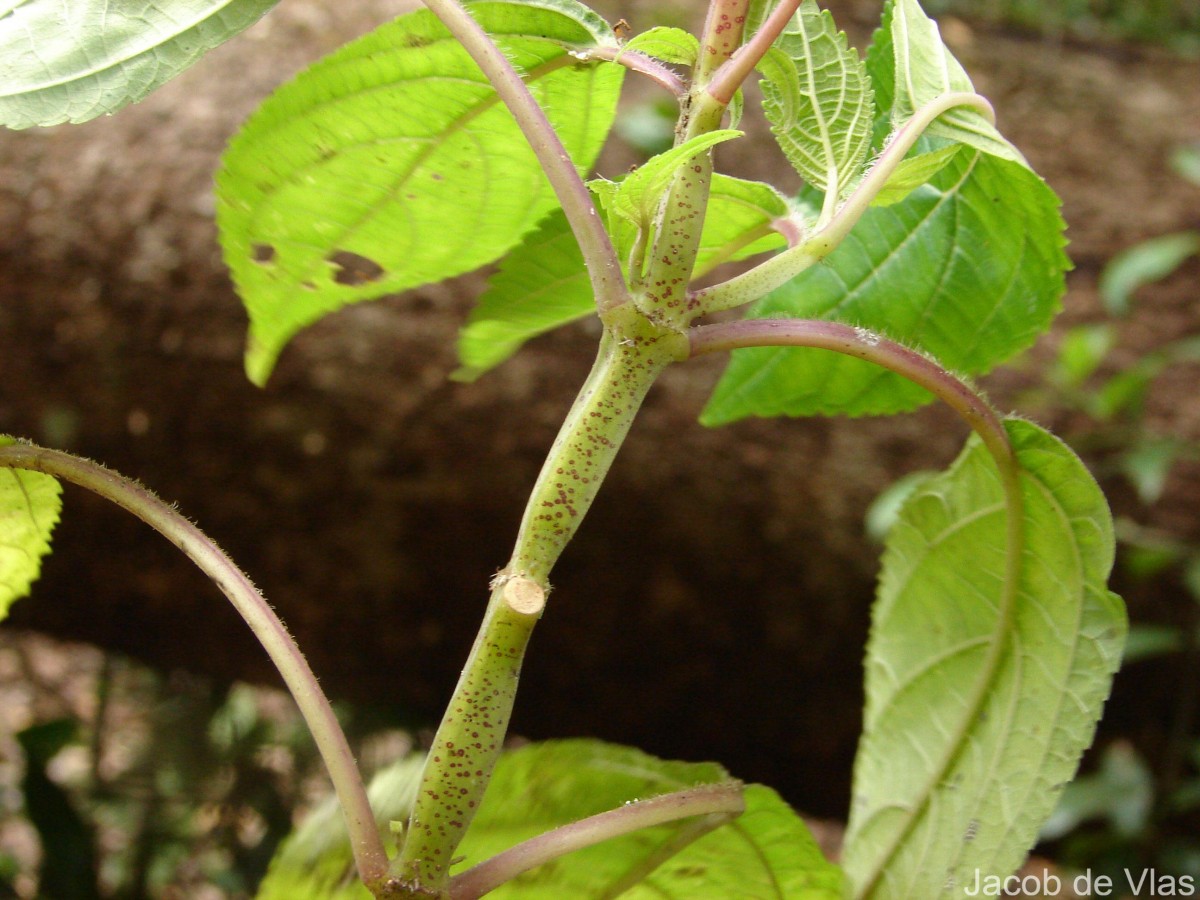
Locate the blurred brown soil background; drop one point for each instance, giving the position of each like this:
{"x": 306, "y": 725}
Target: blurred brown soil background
{"x": 715, "y": 604}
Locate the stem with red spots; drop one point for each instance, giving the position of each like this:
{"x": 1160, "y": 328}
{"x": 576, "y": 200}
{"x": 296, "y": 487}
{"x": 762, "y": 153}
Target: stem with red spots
{"x": 633, "y": 352}
{"x": 662, "y": 292}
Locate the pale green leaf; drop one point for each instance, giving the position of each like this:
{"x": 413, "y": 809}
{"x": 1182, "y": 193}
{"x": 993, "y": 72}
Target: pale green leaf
{"x": 315, "y": 862}
{"x": 671, "y": 45}
{"x": 968, "y": 268}
{"x": 765, "y": 853}
{"x": 981, "y": 695}
{"x": 1142, "y": 264}
{"x": 72, "y": 61}
{"x": 29, "y": 508}
{"x": 912, "y": 173}
{"x": 738, "y": 223}
{"x": 924, "y": 70}
{"x": 638, "y": 195}
{"x": 541, "y": 285}
{"x": 392, "y": 163}
{"x": 818, "y": 100}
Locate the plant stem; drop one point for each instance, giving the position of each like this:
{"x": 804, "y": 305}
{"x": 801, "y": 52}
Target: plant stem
{"x": 604, "y": 269}
{"x": 634, "y": 61}
{"x": 717, "y": 803}
{"x": 632, "y": 355}
{"x": 369, "y": 855}
{"x": 663, "y": 294}
{"x": 869, "y": 346}
{"x": 785, "y": 266}
{"x": 729, "y": 77}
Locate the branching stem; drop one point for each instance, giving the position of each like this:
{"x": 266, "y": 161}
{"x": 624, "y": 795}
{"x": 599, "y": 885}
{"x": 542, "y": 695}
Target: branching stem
{"x": 730, "y": 76}
{"x": 604, "y": 269}
{"x": 369, "y": 854}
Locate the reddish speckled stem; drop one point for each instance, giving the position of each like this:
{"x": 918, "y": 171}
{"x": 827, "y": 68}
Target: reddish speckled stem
{"x": 662, "y": 292}
{"x": 632, "y": 355}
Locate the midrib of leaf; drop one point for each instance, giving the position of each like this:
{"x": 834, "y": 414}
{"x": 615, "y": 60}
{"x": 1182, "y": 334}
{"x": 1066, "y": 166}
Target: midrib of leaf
{"x": 133, "y": 52}
{"x": 1003, "y": 637}
{"x": 432, "y": 144}
{"x": 1018, "y": 658}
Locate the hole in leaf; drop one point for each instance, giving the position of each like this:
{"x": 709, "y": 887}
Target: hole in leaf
{"x": 354, "y": 269}
{"x": 262, "y": 253}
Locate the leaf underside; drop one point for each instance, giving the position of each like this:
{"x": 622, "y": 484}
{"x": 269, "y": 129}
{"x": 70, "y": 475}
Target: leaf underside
{"x": 392, "y": 163}
{"x": 965, "y": 752}
{"x": 70, "y": 62}
{"x": 818, "y": 100}
{"x": 29, "y": 508}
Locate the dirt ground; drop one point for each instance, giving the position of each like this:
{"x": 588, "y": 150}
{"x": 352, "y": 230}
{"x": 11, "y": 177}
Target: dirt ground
{"x": 715, "y": 604}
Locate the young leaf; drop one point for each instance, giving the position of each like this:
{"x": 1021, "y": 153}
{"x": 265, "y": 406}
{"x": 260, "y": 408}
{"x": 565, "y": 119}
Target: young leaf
{"x": 981, "y": 693}
{"x": 29, "y": 507}
{"x": 541, "y": 285}
{"x": 914, "y": 172}
{"x": 637, "y": 196}
{"x": 315, "y": 862}
{"x": 818, "y": 100}
{"x": 767, "y": 852}
{"x": 671, "y": 45}
{"x": 70, "y": 62}
{"x": 739, "y": 220}
{"x": 392, "y": 163}
{"x": 968, "y": 268}
{"x": 925, "y": 69}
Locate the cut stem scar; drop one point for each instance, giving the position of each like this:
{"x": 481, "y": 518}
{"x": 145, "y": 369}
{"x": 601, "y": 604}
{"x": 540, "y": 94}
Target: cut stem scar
{"x": 524, "y": 596}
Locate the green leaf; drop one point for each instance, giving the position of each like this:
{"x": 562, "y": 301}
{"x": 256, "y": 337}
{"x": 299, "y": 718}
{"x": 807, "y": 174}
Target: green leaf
{"x": 738, "y": 223}
{"x": 818, "y": 100}
{"x": 70, "y": 62}
{"x": 671, "y": 45}
{"x": 541, "y": 285}
{"x": 315, "y": 862}
{"x": 981, "y": 695}
{"x": 1143, "y": 264}
{"x": 969, "y": 268}
{"x": 29, "y": 508}
{"x": 912, "y": 173}
{"x": 638, "y": 195}
{"x": 765, "y": 853}
{"x": 392, "y": 163}
{"x": 924, "y": 70}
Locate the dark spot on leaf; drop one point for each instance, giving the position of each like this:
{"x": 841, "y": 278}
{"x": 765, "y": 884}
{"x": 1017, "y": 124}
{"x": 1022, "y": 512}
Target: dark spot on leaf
{"x": 308, "y": 285}
{"x": 354, "y": 269}
{"x": 262, "y": 253}
{"x": 691, "y": 871}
